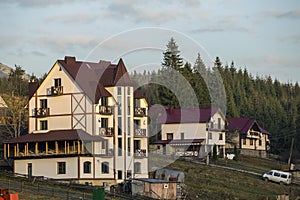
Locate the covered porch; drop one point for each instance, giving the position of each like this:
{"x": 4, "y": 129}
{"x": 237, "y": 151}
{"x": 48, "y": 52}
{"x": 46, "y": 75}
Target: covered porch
{"x": 184, "y": 147}
{"x": 52, "y": 143}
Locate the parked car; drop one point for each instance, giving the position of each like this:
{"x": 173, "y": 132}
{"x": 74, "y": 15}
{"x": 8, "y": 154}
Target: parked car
{"x": 278, "y": 176}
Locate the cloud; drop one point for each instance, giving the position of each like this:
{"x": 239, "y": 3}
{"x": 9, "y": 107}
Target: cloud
{"x": 38, "y": 3}
{"x": 7, "y": 41}
{"x": 141, "y": 12}
{"x": 207, "y": 29}
{"x": 291, "y": 14}
{"x": 83, "y": 18}
{"x": 38, "y": 53}
{"x": 62, "y": 43}
{"x": 281, "y": 67}
{"x": 228, "y": 23}
{"x": 293, "y": 39}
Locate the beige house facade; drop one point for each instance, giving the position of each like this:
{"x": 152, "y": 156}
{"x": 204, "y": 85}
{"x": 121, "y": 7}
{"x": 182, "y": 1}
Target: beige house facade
{"x": 86, "y": 124}
{"x": 248, "y": 136}
{"x": 191, "y": 132}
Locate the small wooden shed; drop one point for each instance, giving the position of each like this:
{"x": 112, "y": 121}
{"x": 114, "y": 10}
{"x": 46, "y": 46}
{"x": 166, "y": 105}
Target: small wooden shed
{"x": 157, "y": 189}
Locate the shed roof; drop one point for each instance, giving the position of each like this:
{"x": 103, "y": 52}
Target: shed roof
{"x": 149, "y": 180}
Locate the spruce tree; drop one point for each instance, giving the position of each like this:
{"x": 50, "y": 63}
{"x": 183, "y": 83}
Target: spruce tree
{"x": 171, "y": 56}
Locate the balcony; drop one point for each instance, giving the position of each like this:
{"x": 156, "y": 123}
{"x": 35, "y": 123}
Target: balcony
{"x": 105, "y": 110}
{"x": 139, "y": 112}
{"x": 254, "y": 134}
{"x": 41, "y": 112}
{"x": 107, "y": 153}
{"x": 56, "y": 90}
{"x": 139, "y": 132}
{"x": 140, "y": 153}
{"x": 216, "y": 127}
{"x": 106, "y": 131}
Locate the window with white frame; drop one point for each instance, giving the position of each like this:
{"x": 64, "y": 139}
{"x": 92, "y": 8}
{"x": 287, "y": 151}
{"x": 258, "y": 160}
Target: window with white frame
{"x": 137, "y": 167}
{"x": 87, "y": 167}
{"x": 61, "y": 168}
{"x": 105, "y": 168}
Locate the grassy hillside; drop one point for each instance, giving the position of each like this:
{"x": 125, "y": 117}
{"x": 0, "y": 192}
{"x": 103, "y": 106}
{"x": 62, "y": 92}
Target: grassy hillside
{"x": 201, "y": 182}
{"x": 207, "y": 182}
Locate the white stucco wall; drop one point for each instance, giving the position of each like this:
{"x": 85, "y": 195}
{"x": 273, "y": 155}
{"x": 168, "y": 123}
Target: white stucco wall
{"x": 190, "y": 130}
{"x": 47, "y": 167}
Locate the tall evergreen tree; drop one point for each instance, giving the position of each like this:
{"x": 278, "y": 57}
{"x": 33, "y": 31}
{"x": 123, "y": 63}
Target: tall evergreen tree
{"x": 171, "y": 56}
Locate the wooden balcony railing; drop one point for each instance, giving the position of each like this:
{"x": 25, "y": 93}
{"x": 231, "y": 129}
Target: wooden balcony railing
{"x": 108, "y": 131}
{"x": 140, "y": 153}
{"x": 41, "y": 112}
{"x": 107, "y": 153}
{"x": 105, "y": 110}
{"x": 139, "y": 112}
{"x": 140, "y": 132}
{"x": 56, "y": 91}
{"x": 254, "y": 134}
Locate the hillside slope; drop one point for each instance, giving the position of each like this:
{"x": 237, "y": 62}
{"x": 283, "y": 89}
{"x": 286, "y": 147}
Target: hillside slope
{"x": 5, "y": 70}
{"x": 207, "y": 182}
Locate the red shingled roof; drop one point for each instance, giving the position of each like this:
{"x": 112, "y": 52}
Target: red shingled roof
{"x": 243, "y": 125}
{"x": 93, "y": 77}
{"x": 188, "y": 115}
{"x": 56, "y": 135}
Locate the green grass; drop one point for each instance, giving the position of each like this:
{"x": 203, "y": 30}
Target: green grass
{"x": 253, "y": 164}
{"x": 207, "y": 182}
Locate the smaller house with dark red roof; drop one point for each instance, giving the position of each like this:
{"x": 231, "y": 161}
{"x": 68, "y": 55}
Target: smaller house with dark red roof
{"x": 191, "y": 132}
{"x": 248, "y": 136}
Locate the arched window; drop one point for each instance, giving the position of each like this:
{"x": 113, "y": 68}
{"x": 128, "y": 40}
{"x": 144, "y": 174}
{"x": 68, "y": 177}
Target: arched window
{"x": 137, "y": 167}
{"x": 87, "y": 167}
{"x": 105, "y": 168}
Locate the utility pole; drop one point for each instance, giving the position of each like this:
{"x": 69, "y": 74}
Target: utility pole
{"x": 291, "y": 151}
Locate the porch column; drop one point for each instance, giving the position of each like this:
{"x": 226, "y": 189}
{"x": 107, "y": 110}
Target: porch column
{"x": 15, "y": 150}
{"x": 74, "y": 146}
{"x": 65, "y": 147}
{"x": 56, "y": 147}
{"x": 8, "y": 150}
{"x": 82, "y": 147}
{"x": 5, "y": 151}
{"x": 78, "y": 147}
{"x": 68, "y": 147}
{"x": 46, "y": 147}
{"x": 27, "y": 151}
{"x": 36, "y": 148}
{"x": 18, "y": 149}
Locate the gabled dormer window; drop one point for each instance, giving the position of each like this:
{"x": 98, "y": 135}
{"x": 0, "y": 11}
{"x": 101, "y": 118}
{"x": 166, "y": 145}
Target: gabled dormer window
{"x": 57, "y": 89}
{"x": 43, "y": 103}
{"x": 136, "y": 103}
{"x": 219, "y": 123}
{"x": 212, "y": 125}
{"x": 57, "y": 82}
{"x": 104, "y": 101}
{"x": 119, "y": 91}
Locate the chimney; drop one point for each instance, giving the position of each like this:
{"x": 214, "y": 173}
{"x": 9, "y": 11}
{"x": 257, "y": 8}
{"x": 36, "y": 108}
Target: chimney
{"x": 70, "y": 59}
{"x": 33, "y": 86}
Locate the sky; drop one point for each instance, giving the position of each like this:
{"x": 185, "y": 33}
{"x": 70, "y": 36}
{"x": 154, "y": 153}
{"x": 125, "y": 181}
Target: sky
{"x": 261, "y": 36}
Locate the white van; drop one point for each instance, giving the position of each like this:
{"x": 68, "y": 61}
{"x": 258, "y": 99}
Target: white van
{"x": 278, "y": 176}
